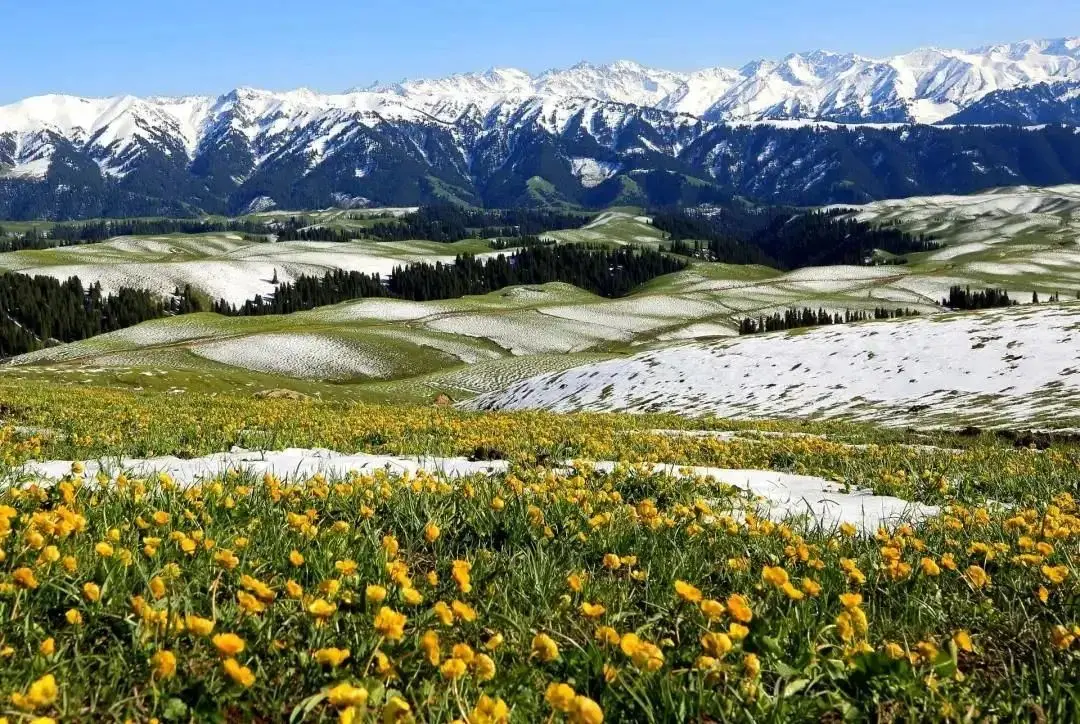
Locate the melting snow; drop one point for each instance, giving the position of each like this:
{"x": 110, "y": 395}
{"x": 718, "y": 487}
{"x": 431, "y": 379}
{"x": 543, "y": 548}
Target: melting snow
{"x": 310, "y": 356}
{"x": 784, "y": 495}
{"x": 1020, "y": 364}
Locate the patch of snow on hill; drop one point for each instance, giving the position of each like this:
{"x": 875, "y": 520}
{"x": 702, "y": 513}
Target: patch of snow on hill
{"x": 525, "y": 333}
{"x": 591, "y": 172}
{"x": 1017, "y": 365}
{"x": 308, "y": 356}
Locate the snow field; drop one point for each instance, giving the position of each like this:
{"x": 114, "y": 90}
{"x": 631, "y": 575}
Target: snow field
{"x": 637, "y": 314}
{"x": 219, "y": 267}
{"x": 463, "y": 349}
{"x": 525, "y": 333}
{"x": 499, "y": 374}
{"x": 973, "y": 367}
{"x": 306, "y": 356}
{"x": 698, "y": 330}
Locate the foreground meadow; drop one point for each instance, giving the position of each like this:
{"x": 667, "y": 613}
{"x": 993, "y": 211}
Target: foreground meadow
{"x": 548, "y": 591}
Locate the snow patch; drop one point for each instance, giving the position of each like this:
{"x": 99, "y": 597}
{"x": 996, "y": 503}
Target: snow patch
{"x": 782, "y": 495}
{"x": 1016, "y": 365}
{"x": 591, "y": 172}
{"x": 308, "y": 356}
{"x": 260, "y": 204}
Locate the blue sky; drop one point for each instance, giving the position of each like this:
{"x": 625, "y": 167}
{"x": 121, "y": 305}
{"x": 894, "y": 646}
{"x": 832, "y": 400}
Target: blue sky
{"x": 107, "y": 47}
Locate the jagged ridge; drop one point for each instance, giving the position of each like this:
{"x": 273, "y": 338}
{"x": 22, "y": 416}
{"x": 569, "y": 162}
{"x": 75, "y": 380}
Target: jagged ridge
{"x": 586, "y": 135}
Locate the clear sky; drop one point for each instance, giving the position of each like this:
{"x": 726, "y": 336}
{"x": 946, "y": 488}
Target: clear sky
{"x": 143, "y": 47}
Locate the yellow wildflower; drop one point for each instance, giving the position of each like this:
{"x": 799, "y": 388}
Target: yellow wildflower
{"x": 463, "y": 611}
{"x": 198, "y": 625}
{"x": 688, "y": 592}
{"x": 331, "y": 656}
{"x": 24, "y": 578}
{"x": 560, "y": 696}
{"x": 164, "y": 664}
{"x": 592, "y": 610}
{"x": 242, "y": 675}
{"x": 453, "y": 668}
{"x": 228, "y": 644}
{"x": 390, "y": 623}
{"x": 396, "y": 710}
{"x": 977, "y": 577}
{"x": 739, "y": 608}
{"x": 346, "y": 695}
{"x": 429, "y": 642}
{"x": 544, "y": 648}
{"x": 375, "y": 594}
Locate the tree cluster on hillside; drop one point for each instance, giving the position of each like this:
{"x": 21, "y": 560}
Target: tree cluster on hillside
{"x": 96, "y": 231}
{"x": 520, "y": 242}
{"x": 963, "y": 298}
{"x": 806, "y": 317}
{"x": 446, "y": 222}
{"x": 782, "y": 237}
{"x": 609, "y": 273}
{"x": 443, "y": 223}
{"x": 38, "y": 311}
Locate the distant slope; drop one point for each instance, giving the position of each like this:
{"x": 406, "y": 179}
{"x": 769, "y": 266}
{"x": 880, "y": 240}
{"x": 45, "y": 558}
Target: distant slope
{"x": 1042, "y": 103}
{"x": 566, "y": 153}
{"x": 1019, "y": 366}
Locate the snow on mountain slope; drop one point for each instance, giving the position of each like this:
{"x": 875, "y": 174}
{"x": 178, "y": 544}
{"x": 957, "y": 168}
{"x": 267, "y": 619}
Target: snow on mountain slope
{"x": 621, "y": 82}
{"x": 925, "y": 85}
{"x": 1018, "y": 364}
{"x": 490, "y": 137}
{"x": 700, "y": 90}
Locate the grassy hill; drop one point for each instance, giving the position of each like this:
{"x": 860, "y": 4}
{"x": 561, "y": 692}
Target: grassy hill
{"x": 1021, "y": 239}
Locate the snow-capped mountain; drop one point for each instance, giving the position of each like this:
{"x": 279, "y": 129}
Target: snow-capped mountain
{"x": 588, "y": 134}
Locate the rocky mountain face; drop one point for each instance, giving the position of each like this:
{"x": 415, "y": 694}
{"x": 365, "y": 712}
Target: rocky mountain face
{"x": 813, "y": 128}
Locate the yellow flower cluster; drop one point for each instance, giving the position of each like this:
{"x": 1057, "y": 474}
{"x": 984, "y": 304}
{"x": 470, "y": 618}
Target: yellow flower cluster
{"x": 550, "y": 591}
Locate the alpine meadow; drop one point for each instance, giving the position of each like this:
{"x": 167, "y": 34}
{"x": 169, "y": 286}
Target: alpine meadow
{"x": 606, "y": 393}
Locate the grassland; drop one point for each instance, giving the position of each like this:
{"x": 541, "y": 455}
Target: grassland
{"x": 180, "y": 541}
{"x": 1020, "y": 239}
{"x": 538, "y": 591}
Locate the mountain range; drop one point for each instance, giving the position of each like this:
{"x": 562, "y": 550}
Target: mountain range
{"x": 815, "y": 127}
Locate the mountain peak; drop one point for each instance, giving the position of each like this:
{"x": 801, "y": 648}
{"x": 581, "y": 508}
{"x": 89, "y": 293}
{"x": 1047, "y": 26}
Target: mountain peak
{"x": 925, "y": 85}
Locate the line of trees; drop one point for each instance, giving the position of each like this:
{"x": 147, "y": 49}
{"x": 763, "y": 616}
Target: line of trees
{"x": 806, "y": 317}
{"x": 520, "y": 242}
{"x": 783, "y": 238}
{"x": 609, "y": 273}
{"x": 963, "y": 298}
{"x": 444, "y": 223}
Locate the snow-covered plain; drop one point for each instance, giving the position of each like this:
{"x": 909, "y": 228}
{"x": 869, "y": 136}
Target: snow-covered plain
{"x": 780, "y": 495}
{"x": 1021, "y": 364}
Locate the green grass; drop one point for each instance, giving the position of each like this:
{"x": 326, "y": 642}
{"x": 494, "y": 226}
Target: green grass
{"x": 704, "y": 301}
{"x": 679, "y": 568}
